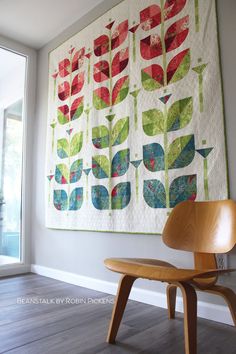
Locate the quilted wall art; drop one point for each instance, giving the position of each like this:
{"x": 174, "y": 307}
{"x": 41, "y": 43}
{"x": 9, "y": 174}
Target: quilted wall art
{"x": 135, "y": 118}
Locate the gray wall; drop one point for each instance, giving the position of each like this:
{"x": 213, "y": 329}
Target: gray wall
{"x": 84, "y": 252}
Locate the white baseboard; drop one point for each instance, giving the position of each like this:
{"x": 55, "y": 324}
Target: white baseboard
{"x": 218, "y": 313}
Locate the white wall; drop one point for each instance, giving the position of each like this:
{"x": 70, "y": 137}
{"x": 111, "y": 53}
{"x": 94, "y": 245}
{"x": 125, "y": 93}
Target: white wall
{"x": 227, "y": 31}
{"x": 83, "y": 252}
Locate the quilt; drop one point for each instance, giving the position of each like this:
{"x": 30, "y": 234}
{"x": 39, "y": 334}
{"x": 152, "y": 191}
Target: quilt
{"x": 135, "y": 118}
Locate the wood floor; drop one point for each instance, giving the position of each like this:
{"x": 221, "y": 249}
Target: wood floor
{"x": 43, "y": 328}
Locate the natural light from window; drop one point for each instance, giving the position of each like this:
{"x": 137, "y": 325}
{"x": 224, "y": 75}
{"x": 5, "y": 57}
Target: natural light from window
{"x": 12, "y": 82}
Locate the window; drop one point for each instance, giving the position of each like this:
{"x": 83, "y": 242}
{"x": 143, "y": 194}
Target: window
{"x": 12, "y": 83}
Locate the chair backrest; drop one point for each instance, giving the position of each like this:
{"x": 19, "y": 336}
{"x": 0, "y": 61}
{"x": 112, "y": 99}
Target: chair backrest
{"x": 202, "y": 227}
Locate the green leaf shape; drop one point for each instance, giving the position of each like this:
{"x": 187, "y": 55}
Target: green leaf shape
{"x": 120, "y": 196}
{"x": 153, "y": 122}
{"x": 120, "y": 131}
{"x": 60, "y": 199}
{"x": 120, "y": 90}
{"x": 78, "y": 112}
{"x": 62, "y": 118}
{"x": 154, "y": 194}
{"x": 76, "y": 144}
{"x": 62, "y": 174}
{"x": 100, "y": 166}
{"x": 76, "y": 199}
{"x": 77, "y": 108}
{"x": 98, "y": 102}
{"x": 154, "y": 157}
{"x": 181, "y": 152}
{"x": 101, "y": 98}
{"x": 182, "y": 70}
{"x": 152, "y": 77}
{"x": 149, "y": 84}
{"x": 76, "y": 171}
{"x": 183, "y": 188}
{"x": 100, "y": 197}
{"x": 120, "y": 163}
{"x": 63, "y": 148}
{"x": 100, "y": 137}
{"x": 180, "y": 114}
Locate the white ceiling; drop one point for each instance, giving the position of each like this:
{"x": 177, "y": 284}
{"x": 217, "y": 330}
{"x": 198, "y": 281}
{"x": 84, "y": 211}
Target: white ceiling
{"x": 36, "y": 22}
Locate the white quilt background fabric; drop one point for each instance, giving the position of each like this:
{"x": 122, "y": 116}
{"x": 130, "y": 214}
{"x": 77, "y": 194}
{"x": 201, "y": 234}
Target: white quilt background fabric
{"x": 144, "y": 207}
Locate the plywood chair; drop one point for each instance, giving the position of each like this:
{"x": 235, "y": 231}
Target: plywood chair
{"x": 204, "y": 228}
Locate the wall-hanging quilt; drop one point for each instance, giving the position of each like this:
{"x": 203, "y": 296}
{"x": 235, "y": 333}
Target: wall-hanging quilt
{"x": 135, "y": 118}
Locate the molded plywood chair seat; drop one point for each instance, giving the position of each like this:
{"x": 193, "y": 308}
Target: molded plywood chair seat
{"x": 204, "y": 228}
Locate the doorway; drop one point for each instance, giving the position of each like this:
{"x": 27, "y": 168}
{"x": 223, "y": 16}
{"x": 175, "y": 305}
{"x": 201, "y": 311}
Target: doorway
{"x": 12, "y": 89}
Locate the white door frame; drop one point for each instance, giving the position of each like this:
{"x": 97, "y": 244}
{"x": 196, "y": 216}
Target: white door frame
{"x": 27, "y": 165}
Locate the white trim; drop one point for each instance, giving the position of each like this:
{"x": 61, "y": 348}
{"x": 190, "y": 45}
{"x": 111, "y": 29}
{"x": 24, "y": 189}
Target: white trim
{"x": 5, "y": 260}
{"x": 218, "y": 313}
{"x": 28, "y": 119}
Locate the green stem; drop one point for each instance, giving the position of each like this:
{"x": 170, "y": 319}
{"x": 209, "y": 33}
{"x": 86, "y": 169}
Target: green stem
{"x": 89, "y": 69}
{"x": 166, "y": 160}
{"x": 136, "y": 113}
{"x": 206, "y": 189}
{"x": 54, "y": 92}
{"x": 196, "y": 6}
{"x": 136, "y": 181}
{"x": 200, "y": 84}
{"x": 69, "y": 173}
{"x": 68, "y": 190}
{"x": 134, "y": 47}
{"x": 87, "y": 129}
{"x": 163, "y": 43}
{"x": 110, "y": 161}
{"x": 110, "y": 71}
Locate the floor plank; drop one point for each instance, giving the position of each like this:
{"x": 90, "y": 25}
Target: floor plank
{"x": 50, "y": 328}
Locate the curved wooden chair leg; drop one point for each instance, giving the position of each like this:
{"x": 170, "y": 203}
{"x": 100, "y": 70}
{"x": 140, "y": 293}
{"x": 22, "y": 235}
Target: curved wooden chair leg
{"x": 229, "y": 296}
{"x": 122, "y": 296}
{"x": 190, "y": 317}
{"x": 171, "y": 300}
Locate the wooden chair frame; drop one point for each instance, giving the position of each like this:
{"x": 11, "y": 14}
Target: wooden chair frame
{"x": 200, "y": 234}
